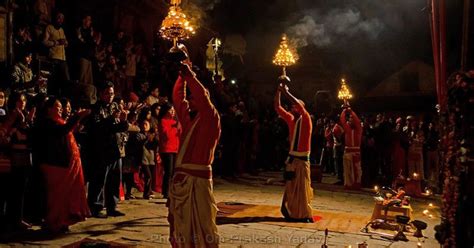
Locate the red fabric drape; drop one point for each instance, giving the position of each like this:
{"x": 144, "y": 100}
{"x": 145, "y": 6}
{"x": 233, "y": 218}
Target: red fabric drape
{"x": 438, "y": 42}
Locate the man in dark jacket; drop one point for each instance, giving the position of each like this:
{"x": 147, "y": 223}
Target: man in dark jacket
{"x": 106, "y": 121}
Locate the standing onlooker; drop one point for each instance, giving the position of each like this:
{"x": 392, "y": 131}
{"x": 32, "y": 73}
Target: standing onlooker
{"x": 22, "y": 75}
{"x": 153, "y": 97}
{"x": 432, "y": 157}
{"x": 130, "y": 68}
{"x": 415, "y": 149}
{"x": 133, "y": 153}
{"x": 382, "y": 131}
{"x": 60, "y": 162}
{"x": 149, "y": 143}
{"x": 399, "y": 150}
{"x": 106, "y": 121}
{"x": 169, "y": 134}
{"x": 3, "y": 109}
{"x": 17, "y": 127}
{"x": 55, "y": 40}
{"x": 86, "y": 50}
{"x": 22, "y": 42}
{"x": 113, "y": 73}
{"x": 338, "y": 151}
{"x": 328, "y": 150}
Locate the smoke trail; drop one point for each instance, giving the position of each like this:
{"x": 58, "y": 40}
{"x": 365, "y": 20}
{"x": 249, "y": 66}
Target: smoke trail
{"x": 333, "y": 27}
{"x": 206, "y": 4}
{"x": 197, "y": 10}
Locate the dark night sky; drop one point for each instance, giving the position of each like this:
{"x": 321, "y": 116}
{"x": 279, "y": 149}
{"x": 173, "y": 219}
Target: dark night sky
{"x": 366, "y": 40}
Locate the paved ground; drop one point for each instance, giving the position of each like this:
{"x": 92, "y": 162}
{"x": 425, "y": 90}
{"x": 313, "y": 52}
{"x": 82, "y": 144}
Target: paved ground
{"x": 145, "y": 224}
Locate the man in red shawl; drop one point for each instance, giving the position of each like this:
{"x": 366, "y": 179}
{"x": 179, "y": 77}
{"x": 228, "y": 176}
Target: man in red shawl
{"x": 296, "y": 205}
{"x": 192, "y": 208}
{"x": 353, "y": 136}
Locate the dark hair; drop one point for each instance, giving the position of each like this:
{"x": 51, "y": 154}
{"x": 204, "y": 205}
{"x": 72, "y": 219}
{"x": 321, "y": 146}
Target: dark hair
{"x": 64, "y": 101}
{"x": 49, "y": 103}
{"x": 105, "y": 85}
{"x": 164, "y": 109}
{"x": 154, "y": 107}
{"x": 143, "y": 114}
{"x": 43, "y": 111}
{"x": 14, "y": 97}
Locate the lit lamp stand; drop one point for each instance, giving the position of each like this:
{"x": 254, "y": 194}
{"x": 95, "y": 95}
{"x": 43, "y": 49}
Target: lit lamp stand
{"x": 284, "y": 57}
{"x": 176, "y": 27}
{"x": 216, "y": 44}
{"x": 344, "y": 94}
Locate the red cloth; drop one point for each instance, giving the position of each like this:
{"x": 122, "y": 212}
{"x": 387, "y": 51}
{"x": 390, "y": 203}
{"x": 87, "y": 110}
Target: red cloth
{"x": 137, "y": 179}
{"x": 304, "y": 139}
{"x": 353, "y": 135}
{"x": 328, "y": 135}
{"x": 206, "y": 133}
{"x": 67, "y": 202}
{"x": 169, "y": 135}
{"x": 159, "y": 172}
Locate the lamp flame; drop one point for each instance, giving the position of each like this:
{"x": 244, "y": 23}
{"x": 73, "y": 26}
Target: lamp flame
{"x": 344, "y": 93}
{"x": 175, "y": 26}
{"x": 285, "y": 55}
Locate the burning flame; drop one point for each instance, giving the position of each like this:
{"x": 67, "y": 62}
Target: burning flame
{"x": 284, "y": 56}
{"x": 344, "y": 92}
{"x": 176, "y": 25}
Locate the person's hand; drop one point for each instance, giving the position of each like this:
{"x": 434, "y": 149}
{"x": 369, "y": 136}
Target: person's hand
{"x": 123, "y": 116}
{"x": 61, "y": 41}
{"x": 83, "y": 113}
{"x": 31, "y": 115}
{"x": 283, "y": 88}
{"x": 217, "y": 78}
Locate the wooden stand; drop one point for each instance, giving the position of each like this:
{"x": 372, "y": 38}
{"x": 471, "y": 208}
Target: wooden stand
{"x": 379, "y": 211}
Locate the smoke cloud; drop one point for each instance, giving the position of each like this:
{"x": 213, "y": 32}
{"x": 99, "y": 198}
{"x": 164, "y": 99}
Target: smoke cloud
{"x": 205, "y": 4}
{"x": 335, "y": 26}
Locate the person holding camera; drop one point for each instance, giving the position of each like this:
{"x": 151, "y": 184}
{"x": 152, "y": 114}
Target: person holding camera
{"x": 296, "y": 204}
{"x": 107, "y": 120}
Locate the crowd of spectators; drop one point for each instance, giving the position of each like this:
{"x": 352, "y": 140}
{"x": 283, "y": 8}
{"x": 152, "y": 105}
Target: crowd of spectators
{"x": 113, "y": 97}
